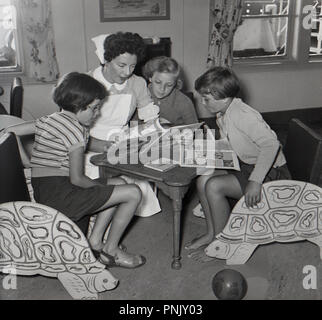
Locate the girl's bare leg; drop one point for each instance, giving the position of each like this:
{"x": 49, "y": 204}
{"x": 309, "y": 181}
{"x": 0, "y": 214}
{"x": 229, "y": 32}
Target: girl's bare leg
{"x": 210, "y": 233}
{"x": 103, "y": 219}
{"x": 127, "y": 199}
{"x": 217, "y": 190}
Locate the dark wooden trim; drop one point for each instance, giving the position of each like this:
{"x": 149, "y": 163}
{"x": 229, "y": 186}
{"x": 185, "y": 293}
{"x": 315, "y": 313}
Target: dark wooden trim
{"x": 281, "y": 118}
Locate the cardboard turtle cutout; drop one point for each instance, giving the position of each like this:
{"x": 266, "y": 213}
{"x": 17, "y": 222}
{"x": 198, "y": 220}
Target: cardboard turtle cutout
{"x": 289, "y": 211}
{"x": 36, "y": 239}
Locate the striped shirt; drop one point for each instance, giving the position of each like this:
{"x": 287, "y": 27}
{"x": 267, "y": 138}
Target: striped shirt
{"x": 56, "y": 135}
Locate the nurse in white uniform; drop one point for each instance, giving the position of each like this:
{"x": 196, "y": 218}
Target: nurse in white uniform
{"x": 119, "y": 54}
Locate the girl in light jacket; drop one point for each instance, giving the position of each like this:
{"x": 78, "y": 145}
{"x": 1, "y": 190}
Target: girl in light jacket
{"x": 256, "y": 145}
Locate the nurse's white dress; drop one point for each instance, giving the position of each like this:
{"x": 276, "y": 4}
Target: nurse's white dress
{"x": 115, "y": 114}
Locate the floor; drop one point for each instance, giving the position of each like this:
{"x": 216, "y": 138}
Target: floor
{"x": 274, "y": 271}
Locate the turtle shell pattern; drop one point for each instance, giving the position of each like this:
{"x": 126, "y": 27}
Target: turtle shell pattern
{"x": 36, "y": 239}
{"x": 289, "y": 210}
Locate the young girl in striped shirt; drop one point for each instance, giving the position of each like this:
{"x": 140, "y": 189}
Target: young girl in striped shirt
{"x": 57, "y": 165}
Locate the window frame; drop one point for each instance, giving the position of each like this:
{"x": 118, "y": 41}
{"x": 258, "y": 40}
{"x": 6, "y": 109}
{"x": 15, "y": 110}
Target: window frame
{"x": 316, "y": 57}
{"x": 298, "y": 43}
{"x": 6, "y": 77}
{"x": 7, "y": 74}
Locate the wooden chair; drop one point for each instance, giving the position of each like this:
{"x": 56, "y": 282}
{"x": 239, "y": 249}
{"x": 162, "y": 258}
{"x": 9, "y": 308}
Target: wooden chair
{"x": 303, "y": 152}
{"x": 2, "y": 108}
{"x": 16, "y": 97}
{"x": 12, "y": 179}
{"x": 7, "y": 121}
{"x": 36, "y": 239}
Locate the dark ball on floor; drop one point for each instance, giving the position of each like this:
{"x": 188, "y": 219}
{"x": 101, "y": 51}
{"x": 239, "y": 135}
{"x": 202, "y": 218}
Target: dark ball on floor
{"x": 229, "y": 284}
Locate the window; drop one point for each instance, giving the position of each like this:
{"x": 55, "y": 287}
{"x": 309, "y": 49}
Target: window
{"x": 316, "y": 28}
{"x": 10, "y": 57}
{"x": 276, "y": 31}
{"x": 264, "y": 29}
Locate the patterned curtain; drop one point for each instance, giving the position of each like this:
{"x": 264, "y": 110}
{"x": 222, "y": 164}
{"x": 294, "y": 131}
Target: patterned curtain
{"x": 226, "y": 17}
{"x": 35, "y": 17}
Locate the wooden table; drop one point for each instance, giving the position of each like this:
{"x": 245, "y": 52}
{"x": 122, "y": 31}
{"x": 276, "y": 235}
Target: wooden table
{"x": 174, "y": 183}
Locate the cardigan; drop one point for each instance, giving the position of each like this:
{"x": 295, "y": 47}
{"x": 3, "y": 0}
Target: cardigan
{"x": 177, "y": 108}
{"x": 251, "y": 138}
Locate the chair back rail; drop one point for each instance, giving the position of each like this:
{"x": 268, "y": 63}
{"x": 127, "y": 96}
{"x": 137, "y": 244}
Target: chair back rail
{"x": 16, "y": 97}
{"x": 13, "y": 186}
{"x": 303, "y": 152}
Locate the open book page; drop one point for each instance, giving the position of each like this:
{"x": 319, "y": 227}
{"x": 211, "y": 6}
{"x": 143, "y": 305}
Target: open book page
{"x": 215, "y": 154}
{"x": 150, "y": 141}
{"x": 181, "y": 145}
{"x": 184, "y": 145}
{"x": 130, "y": 139}
{"x": 168, "y": 137}
{"x": 139, "y": 131}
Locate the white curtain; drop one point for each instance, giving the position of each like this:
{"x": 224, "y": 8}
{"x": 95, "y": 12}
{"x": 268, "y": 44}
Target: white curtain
{"x": 38, "y": 46}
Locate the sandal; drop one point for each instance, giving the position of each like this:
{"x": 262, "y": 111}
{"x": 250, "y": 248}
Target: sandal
{"x": 97, "y": 253}
{"x": 113, "y": 261}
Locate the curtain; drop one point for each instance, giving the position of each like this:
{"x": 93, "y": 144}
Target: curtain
{"x": 226, "y": 17}
{"x": 38, "y": 46}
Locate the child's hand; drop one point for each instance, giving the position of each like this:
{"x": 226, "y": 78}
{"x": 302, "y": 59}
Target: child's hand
{"x": 147, "y": 127}
{"x": 253, "y": 193}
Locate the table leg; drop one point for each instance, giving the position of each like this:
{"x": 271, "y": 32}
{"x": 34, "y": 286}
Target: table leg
{"x": 177, "y": 206}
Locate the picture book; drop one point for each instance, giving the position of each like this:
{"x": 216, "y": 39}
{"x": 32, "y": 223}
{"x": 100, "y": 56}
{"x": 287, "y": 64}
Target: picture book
{"x": 170, "y": 136}
{"x": 161, "y": 165}
{"x": 210, "y": 154}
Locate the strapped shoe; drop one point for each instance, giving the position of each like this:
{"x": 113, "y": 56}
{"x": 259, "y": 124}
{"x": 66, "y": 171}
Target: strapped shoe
{"x": 113, "y": 261}
{"x": 97, "y": 253}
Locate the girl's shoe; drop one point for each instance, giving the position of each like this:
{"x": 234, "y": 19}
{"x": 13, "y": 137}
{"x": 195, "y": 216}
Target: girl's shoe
{"x": 97, "y": 253}
{"x": 113, "y": 261}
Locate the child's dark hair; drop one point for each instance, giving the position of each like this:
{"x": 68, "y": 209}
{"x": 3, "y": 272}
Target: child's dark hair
{"x": 160, "y": 64}
{"x": 75, "y": 91}
{"x": 221, "y": 82}
{"x": 122, "y": 42}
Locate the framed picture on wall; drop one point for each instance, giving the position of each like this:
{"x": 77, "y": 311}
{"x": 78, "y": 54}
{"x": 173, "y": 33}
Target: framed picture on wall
{"x": 134, "y": 10}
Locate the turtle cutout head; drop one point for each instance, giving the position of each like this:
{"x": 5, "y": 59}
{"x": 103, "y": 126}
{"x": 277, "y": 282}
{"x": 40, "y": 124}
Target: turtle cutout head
{"x": 105, "y": 281}
{"x": 218, "y": 250}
